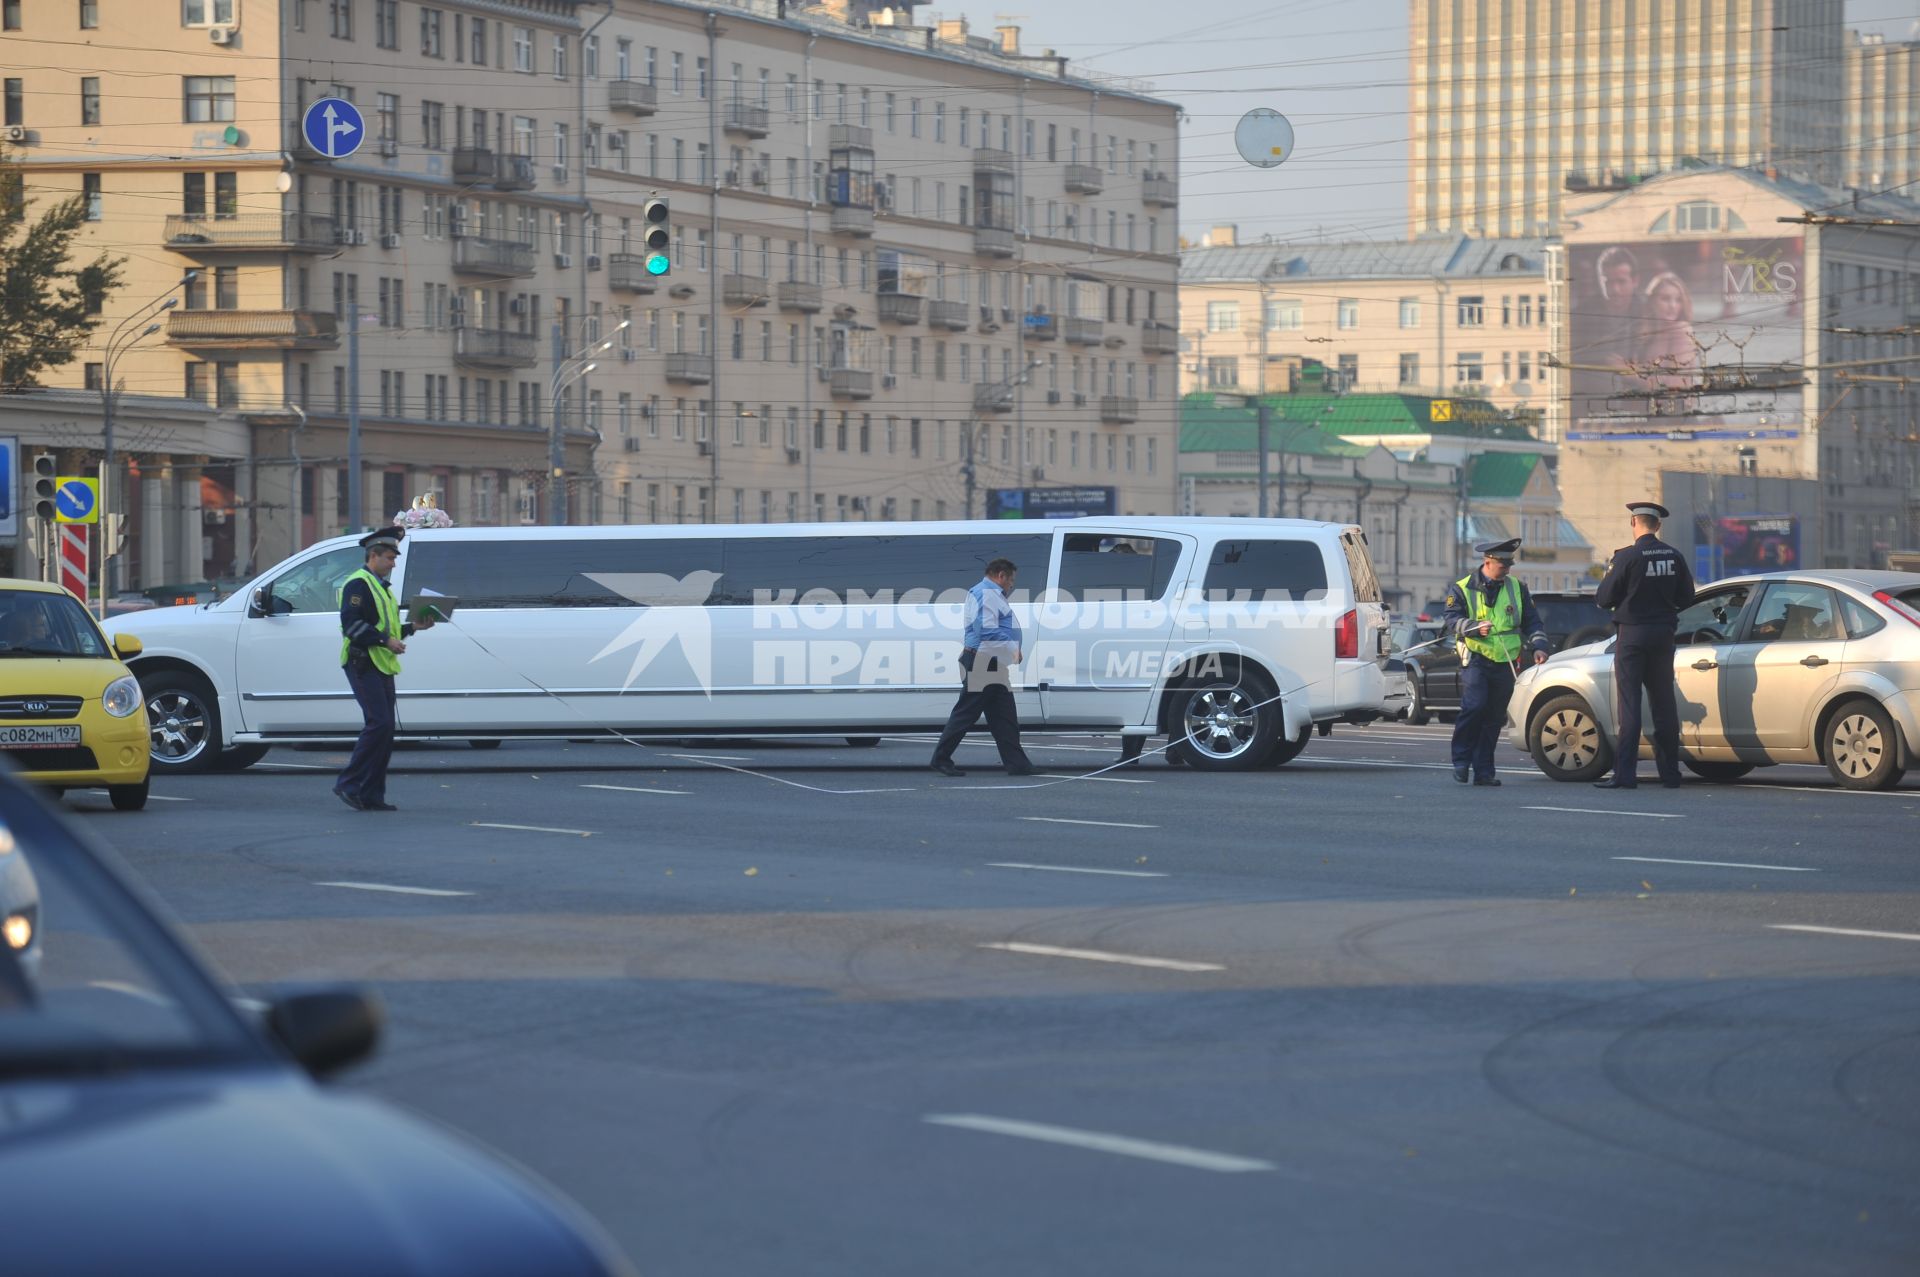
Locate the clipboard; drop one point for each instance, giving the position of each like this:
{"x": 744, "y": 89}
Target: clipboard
{"x": 428, "y": 606}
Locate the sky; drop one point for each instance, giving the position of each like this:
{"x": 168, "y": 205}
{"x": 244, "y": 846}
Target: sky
{"x": 1337, "y": 69}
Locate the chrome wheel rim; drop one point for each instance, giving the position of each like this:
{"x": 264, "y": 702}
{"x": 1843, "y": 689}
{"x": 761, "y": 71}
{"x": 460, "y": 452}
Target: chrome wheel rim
{"x": 1856, "y": 746}
{"x": 1569, "y": 739}
{"x": 1222, "y": 722}
{"x": 177, "y": 726}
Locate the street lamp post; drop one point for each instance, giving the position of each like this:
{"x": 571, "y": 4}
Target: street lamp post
{"x": 570, "y": 370}
{"x": 118, "y": 343}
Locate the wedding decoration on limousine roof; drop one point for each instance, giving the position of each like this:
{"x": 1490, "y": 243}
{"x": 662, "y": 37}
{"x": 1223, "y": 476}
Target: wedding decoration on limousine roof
{"x": 425, "y": 513}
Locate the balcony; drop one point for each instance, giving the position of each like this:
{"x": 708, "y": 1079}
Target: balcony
{"x": 849, "y": 137}
{"x": 494, "y": 348}
{"x": 949, "y": 315}
{"x": 991, "y": 241}
{"x": 745, "y": 290}
{"x": 689, "y": 370}
{"x": 251, "y": 233}
{"x": 514, "y": 173}
{"x": 798, "y": 295}
{"x": 627, "y": 273}
{"x": 499, "y": 258}
{"x": 745, "y": 119}
{"x": 993, "y": 398}
{"x": 1085, "y": 179}
{"x": 850, "y": 383}
{"x": 253, "y": 329}
{"x": 1041, "y": 327}
{"x": 991, "y": 159}
{"x": 472, "y": 165}
{"x": 1119, "y": 410}
{"x": 1084, "y": 332}
{"x": 900, "y": 308}
{"x": 1159, "y": 339}
{"x": 848, "y": 220}
{"x": 634, "y": 97}
{"x": 1158, "y": 190}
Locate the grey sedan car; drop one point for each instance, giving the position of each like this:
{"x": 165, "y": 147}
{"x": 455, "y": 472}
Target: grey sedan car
{"x": 1786, "y": 667}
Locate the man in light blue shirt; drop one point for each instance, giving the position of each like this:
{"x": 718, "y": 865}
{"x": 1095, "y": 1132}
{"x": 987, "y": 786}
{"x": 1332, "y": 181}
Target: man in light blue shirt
{"x": 989, "y": 646}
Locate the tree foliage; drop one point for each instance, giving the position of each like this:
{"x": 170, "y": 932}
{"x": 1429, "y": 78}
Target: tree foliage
{"x": 44, "y": 319}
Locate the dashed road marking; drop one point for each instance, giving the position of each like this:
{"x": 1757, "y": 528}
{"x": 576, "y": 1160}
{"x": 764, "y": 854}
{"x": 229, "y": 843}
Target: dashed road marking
{"x": 1104, "y": 824}
{"x": 1074, "y": 869}
{"x": 1719, "y": 864}
{"x": 1844, "y": 931}
{"x": 1100, "y": 955}
{"x": 399, "y": 891}
{"x": 1612, "y": 811}
{"x": 638, "y": 789}
{"x": 533, "y": 829}
{"x": 1198, "y": 1159}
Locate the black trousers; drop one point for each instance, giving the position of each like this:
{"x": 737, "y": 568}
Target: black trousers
{"x": 989, "y": 695}
{"x": 1643, "y": 660}
{"x": 1486, "y": 688}
{"x": 365, "y": 776}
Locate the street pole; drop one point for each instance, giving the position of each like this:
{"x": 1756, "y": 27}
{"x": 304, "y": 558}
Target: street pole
{"x": 1262, "y": 415}
{"x": 356, "y": 510}
{"x": 556, "y": 459}
{"x": 966, "y": 441}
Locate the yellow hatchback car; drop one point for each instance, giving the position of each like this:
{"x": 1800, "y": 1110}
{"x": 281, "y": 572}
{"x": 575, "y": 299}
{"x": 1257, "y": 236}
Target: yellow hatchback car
{"x": 70, "y": 713}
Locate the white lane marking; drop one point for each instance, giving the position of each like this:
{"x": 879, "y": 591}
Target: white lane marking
{"x": 400, "y": 891}
{"x": 303, "y": 767}
{"x": 638, "y": 789}
{"x": 1104, "y": 824}
{"x": 1843, "y": 931}
{"x": 781, "y": 780}
{"x": 987, "y": 744}
{"x": 152, "y": 798}
{"x": 1117, "y": 780}
{"x": 722, "y": 758}
{"x": 1720, "y": 864}
{"x": 1198, "y": 1159}
{"x": 532, "y": 829}
{"x": 1612, "y": 811}
{"x": 1909, "y": 794}
{"x": 1073, "y": 869}
{"x": 1100, "y": 955}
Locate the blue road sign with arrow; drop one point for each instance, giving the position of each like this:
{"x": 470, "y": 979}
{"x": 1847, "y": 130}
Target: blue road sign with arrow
{"x": 76, "y": 500}
{"x": 333, "y": 127}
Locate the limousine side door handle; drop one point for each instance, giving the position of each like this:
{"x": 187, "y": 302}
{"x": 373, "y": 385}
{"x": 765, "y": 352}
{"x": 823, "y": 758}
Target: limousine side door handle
{"x": 1813, "y": 662}
{"x": 1704, "y": 664}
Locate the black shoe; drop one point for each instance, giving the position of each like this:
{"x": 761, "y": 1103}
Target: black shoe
{"x": 1669, "y": 784}
{"x": 945, "y": 768}
{"x": 1460, "y": 774}
{"x": 1616, "y": 783}
{"x": 381, "y": 807}
{"x": 1486, "y": 780}
{"x": 1028, "y": 770}
{"x": 351, "y": 800}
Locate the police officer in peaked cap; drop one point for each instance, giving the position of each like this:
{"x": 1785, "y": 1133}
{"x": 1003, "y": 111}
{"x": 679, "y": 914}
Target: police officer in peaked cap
{"x": 1493, "y": 620}
{"x": 372, "y": 637}
{"x": 1646, "y": 586}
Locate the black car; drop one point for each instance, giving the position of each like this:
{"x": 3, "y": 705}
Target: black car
{"x": 147, "y": 1125}
{"x": 1433, "y": 673}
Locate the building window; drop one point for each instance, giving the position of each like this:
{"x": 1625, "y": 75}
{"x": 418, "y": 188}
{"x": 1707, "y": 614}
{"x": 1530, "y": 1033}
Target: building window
{"x": 1409, "y": 370}
{"x": 90, "y": 191}
{"x": 90, "y": 100}
{"x": 1223, "y": 317}
{"x": 1349, "y": 312}
{"x": 209, "y": 98}
{"x": 340, "y": 18}
{"x": 1286, "y": 314}
{"x": 432, "y": 33}
{"x": 1470, "y": 312}
{"x": 523, "y": 49}
{"x": 1697, "y": 215}
{"x": 1469, "y": 366}
{"x": 193, "y": 13}
{"x": 386, "y": 24}
{"x": 1223, "y": 371}
{"x": 1409, "y": 312}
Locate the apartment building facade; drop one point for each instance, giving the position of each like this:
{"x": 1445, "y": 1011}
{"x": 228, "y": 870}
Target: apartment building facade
{"x": 909, "y": 264}
{"x": 1882, "y": 112}
{"x": 1515, "y": 102}
{"x": 1444, "y": 316}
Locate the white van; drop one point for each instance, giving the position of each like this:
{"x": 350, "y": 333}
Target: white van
{"x": 1236, "y": 634}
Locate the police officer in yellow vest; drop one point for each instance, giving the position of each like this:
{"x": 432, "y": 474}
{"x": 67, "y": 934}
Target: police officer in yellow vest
{"x": 372, "y": 639}
{"x": 1492, "y": 617}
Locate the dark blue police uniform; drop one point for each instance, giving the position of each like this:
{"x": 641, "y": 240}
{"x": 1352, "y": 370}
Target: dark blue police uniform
{"x": 362, "y": 784}
{"x": 1646, "y": 585}
{"x": 1486, "y": 685}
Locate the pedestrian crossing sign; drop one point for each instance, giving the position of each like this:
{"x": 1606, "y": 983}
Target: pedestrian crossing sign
{"x": 1440, "y": 410}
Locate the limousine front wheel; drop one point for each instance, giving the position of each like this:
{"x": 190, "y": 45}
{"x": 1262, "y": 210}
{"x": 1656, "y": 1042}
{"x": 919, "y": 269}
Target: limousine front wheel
{"x": 183, "y": 722}
{"x": 1228, "y": 726}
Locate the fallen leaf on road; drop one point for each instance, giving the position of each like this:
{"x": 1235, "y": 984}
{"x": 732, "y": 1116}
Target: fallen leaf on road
{"x": 752, "y": 873}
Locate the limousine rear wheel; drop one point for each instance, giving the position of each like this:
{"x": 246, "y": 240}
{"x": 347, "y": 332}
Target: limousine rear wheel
{"x": 183, "y": 721}
{"x": 1228, "y": 725}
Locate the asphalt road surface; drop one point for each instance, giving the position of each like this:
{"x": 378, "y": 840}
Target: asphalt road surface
{"x": 796, "y": 1008}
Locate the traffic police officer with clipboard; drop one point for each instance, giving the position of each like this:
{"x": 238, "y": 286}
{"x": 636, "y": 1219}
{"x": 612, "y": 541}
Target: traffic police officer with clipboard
{"x": 372, "y": 637}
{"x": 1493, "y": 620}
{"x": 1646, "y": 586}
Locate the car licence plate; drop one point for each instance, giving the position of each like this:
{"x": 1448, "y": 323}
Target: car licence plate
{"x": 38, "y": 737}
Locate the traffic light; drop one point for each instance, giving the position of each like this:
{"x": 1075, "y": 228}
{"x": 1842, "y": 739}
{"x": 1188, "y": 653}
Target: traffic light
{"x": 44, "y": 468}
{"x": 659, "y": 237}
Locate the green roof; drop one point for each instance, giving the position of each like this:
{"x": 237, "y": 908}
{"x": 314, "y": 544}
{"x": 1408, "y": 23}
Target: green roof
{"x": 1379, "y": 414}
{"x": 1208, "y": 427}
{"x": 1499, "y": 475}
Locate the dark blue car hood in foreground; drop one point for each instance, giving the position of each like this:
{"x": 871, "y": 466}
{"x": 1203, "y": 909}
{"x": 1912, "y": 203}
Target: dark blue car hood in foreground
{"x": 218, "y": 1172}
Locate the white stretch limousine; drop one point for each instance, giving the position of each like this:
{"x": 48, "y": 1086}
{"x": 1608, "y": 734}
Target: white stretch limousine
{"x": 1235, "y": 635}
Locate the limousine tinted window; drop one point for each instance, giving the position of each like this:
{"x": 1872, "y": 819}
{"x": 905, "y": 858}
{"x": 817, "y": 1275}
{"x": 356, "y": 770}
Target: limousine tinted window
{"x": 1366, "y": 586}
{"x": 1293, "y": 568}
{"x": 1095, "y": 563}
{"x": 548, "y": 573}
